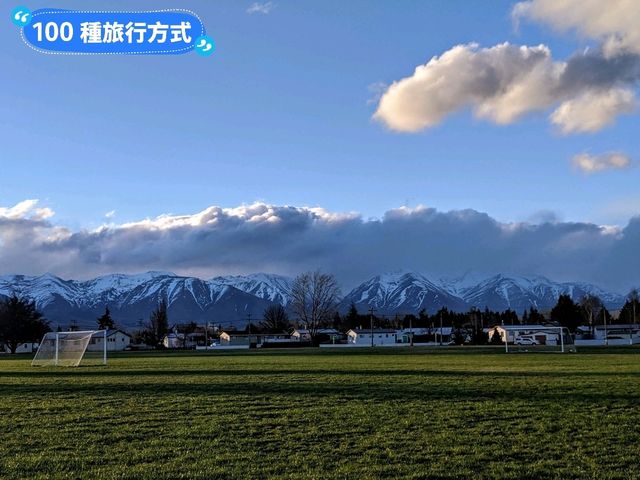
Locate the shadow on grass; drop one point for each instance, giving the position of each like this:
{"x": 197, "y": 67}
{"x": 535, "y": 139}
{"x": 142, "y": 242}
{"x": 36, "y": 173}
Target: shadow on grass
{"x": 311, "y": 388}
{"x": 104, "y": 372}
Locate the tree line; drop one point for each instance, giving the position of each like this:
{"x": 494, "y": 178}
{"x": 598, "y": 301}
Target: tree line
{"x": 315, "y": 301}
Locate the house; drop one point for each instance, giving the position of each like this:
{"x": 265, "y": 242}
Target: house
{"x": 424, "y": 335}
{"x": 174, "y": 340}
{"x": 325, "y": 335}
{"x": 117, "y": 340}
{"x": 381, "y": 336}
{"x": 28, "y": 347}
{"x": 610, "y": 332}
{"x": 241, "y": 338}
{"x": 541, "y": 334}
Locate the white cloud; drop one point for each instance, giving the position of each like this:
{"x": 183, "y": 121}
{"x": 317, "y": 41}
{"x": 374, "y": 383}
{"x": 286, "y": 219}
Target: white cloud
{"x": 588, "y": 163}
{"x": 593, "y": 110}
{"x": 505, "y": 82}
{"x": 500, "y": 83}
{"x": 25, "y": 210}
{"x": 110, "y": 214}
{"x": 288, "y": 240}
{"x": 612, "y": 22}
{"x": 261, "y": 7}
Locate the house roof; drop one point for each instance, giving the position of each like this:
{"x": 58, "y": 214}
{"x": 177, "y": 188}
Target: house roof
{"x": 305, "y": 331}
{"x": 243, "y": 334}
{"x": 517, "y": 328}
{"x": 359, "y": 331}
{"x": 111, "y": 332}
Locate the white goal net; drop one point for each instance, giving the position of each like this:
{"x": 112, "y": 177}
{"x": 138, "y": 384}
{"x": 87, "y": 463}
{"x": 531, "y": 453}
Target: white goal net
{"x": 528, "y": 338}
{"x": 72, "y": 349}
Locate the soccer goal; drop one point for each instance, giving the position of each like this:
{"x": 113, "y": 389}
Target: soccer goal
{"x": 538, "y": 339}
{"x": 72, "y": 349}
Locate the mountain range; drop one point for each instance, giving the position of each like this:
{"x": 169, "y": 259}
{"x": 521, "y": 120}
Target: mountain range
{"x": 234, "y": 300}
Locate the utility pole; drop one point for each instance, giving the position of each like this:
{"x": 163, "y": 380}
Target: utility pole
{"x": 411, "y": 330}
{"x": 440, "y": 327}
{"x": 606, "y": 334}
{"x": 633, "y": 323}
{"x": 249, "y": 322}
{"x": 371, "y": 310}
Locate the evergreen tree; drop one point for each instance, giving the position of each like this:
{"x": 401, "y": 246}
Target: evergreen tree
{"x": 20, "y": 322}
{"x": 496, "y": 338}
{"x": 535, "y": 317}
{"x": 423, "y": 319}
{"x": 105, "y": 322}
{"x": 567, "y": 313}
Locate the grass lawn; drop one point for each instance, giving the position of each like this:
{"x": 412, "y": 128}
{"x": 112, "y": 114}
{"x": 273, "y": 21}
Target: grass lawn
{"x": 325, "y": 414}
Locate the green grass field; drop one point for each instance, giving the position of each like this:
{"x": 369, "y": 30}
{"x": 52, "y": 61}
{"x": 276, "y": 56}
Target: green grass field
{"x": 325, "y": 414}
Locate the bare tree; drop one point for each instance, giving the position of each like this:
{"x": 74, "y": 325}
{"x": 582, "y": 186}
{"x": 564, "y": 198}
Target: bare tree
{"x": 591, "y": 306}
{"x": 314, "y": 300}
{"x": 275, "y": 319}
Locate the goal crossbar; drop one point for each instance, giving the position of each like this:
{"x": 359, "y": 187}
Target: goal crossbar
{"x": 522, "y": 337}
{"x": 68, "y": 348}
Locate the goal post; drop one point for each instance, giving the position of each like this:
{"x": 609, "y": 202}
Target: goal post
{"x": 72, "y": 349}
{"x": 538, "y": 339}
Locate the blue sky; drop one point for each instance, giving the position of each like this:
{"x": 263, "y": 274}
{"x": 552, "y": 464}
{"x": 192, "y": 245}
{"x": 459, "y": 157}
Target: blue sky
{"x": 282, "y": 114}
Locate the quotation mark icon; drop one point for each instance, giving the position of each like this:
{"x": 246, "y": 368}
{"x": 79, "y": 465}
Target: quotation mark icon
{"x": 205, "y": 46}
{"x": 21, "y": 16}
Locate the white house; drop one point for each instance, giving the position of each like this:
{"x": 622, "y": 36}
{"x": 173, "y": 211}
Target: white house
{"x": 241, "y": 338}
{"x": 303, "y": 335}
{"x": 117, "y": 340}
{"x": 615, "y": 334}
{"x": 173, "y": 340}
{"x": 541, "y": 334}
{"x": 29, "y": 347}
{"x": 381, "y": 336}
{"x": 616, "y": 331}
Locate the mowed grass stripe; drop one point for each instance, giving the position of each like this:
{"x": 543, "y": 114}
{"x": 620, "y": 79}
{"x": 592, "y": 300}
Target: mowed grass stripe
{"x": 319, "y": 414}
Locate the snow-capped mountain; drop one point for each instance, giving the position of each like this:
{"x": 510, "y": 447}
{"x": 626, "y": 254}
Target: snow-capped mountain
{"x": 402, "y": 292}
{"x": 273, "y": 288}
{"x": 131, "y": 298}
{"x": 232, "y": 299}
{"x": 409, "y": 292}
{"x": 521, "y": 293}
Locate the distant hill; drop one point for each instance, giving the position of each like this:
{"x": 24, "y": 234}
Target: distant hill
{"x": 231, "y": 300}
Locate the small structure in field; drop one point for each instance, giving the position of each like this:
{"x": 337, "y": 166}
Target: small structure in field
{"x": 362, "y": 336}
{"x": 28, "y": 347}
{"x": 530, "y": 334}
{"x": 242, "y": 338}
{"x": 324, "y": 335}
{"x": 117, "y": 341}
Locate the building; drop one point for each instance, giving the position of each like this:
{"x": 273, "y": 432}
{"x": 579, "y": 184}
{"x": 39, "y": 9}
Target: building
{"x": 241, "y": 338}
{"x": 29, "y": 347}
{"x": 617, "y": 334}
{"x": 174, "y": 340}
{"x": 424, "y": 335}
{"x": 117, "y": 340}
{"x": 540, "y": 334}
{"x": 381, "y": 336}
{"x": 325, "y": 335}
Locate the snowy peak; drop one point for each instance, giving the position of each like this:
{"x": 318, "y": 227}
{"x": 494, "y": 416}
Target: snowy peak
{"x": 402, "y": 292}
{"x": 273, "y": 288}
{"x": 520, "y": 293}
{"x": 230, "y": 299}
{"x": 409, "y": 292}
